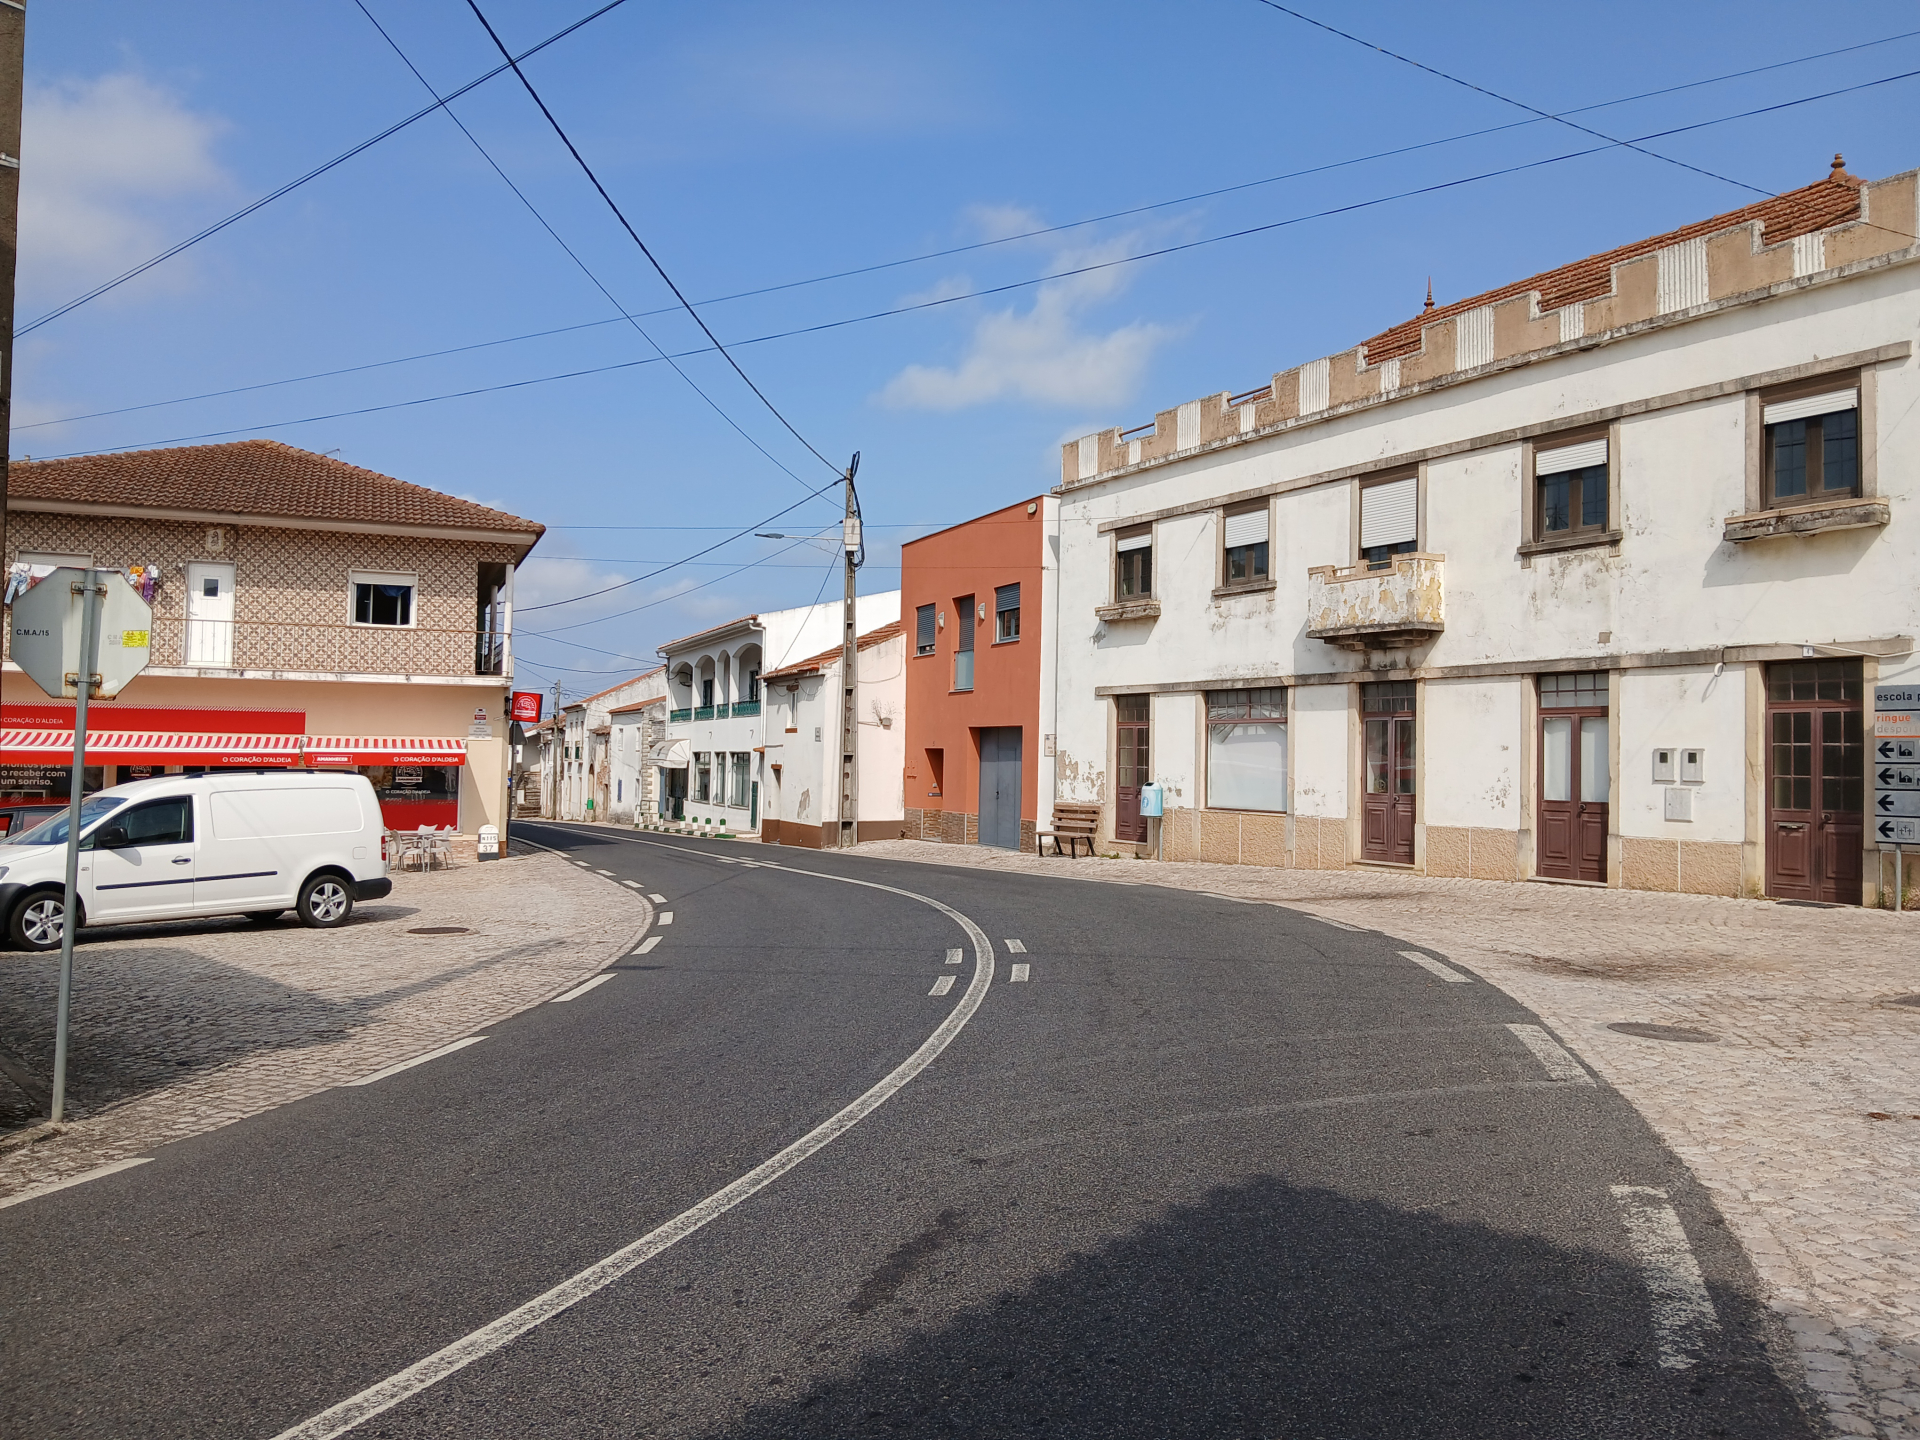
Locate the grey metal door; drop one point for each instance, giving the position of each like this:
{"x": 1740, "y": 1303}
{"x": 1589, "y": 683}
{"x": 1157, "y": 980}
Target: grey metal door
{"x": 1000, "y": 787}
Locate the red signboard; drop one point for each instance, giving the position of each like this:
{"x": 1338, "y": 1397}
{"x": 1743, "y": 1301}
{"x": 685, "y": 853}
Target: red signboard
{"x": 526, "y": 706}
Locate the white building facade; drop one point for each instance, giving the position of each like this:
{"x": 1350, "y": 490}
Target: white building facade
{"x": 1590, "y": 578}
{"x": 804, "y": 710}
{"x": 588, "y": 786}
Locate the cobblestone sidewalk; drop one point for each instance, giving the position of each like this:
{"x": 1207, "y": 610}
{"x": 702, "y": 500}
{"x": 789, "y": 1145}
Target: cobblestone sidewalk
{"x": 1803, "y": 1117}
{"x": 182, "y": 1027}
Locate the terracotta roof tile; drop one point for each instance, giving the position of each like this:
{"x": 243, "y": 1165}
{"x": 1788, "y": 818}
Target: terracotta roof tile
{"x": 813, "y": 664}
{"x": 1826, "y": 202}
{"x": 252, "y": 477}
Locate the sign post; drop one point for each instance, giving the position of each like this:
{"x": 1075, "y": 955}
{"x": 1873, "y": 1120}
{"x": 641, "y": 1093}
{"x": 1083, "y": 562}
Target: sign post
{"x": 1895, "y": 756}
{"x": 62, "y": 653}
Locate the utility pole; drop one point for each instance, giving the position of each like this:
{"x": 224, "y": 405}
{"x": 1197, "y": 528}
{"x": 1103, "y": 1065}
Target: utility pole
{"x": 849, "y": 669}
{"x": 13, "y": 54}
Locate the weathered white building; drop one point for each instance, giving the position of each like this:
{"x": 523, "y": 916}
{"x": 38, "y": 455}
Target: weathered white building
{"x": 712, "y": 763}
{"x": 588, "y": 788}
{"x": 633, "y": 730}
{"x": 1590, "y": 577}
{"x": 803, "y": 718}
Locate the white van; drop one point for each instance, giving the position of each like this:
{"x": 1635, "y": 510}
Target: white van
{"x": 251, "y": 843}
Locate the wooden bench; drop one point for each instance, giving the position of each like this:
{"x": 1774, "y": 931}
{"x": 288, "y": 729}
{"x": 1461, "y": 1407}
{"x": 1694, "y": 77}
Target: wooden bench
{"x": 1071, "y": 823}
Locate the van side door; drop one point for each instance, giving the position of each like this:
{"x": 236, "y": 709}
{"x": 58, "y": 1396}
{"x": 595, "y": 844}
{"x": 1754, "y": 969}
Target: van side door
{"x": 139, "y": 864}
{"x": 264, "y": 839}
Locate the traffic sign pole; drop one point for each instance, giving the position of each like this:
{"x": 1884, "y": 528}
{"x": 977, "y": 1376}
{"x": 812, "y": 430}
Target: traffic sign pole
{"x": 91, "y": 590}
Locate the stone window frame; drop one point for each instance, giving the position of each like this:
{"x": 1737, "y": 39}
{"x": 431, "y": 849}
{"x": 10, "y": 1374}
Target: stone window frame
{"x": 1531, "y": 544}
{"x": 1864, "y": 378}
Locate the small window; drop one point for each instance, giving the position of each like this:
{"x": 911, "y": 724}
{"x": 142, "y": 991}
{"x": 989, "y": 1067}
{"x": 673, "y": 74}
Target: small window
{"x": 1244, "y": 539}
{"x": 923, "y": 630}
{"x": 1133, "y": 565}
{"x": 963, "y": 643}
{"x": 753, "y": 686}
{"x": 1006, "y": 614}
{"x": 377, "y": 601}
{"x": 1247, "y": 749}
{"x": 1804, "y": 680}
{"x": 706, "y": 694}
{"x": 1812, "y": 448}
{"x": 1389, "y": 520}
{"x": 1585, "y": 691}
{"x": 1570, "y": 488}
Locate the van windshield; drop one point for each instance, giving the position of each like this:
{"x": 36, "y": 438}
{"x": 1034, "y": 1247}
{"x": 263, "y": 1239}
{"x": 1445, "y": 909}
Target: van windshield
{"x": 54, "y": 831}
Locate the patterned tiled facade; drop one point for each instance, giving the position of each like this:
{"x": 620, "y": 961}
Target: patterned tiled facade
{"x": 293, "y": 596}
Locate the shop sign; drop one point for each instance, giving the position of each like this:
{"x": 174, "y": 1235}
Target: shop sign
{"x": 482, "y": 727}
{"x": 408, "y": 775}
{"x": 526, "y": 706}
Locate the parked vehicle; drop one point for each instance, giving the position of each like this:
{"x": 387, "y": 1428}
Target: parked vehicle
{"x": 17, "y": 817}
{"x": 229, "y": 843}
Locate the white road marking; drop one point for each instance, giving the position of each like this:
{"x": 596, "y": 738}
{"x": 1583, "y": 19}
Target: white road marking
{"x": 953, "y": 956}
{"x": 631, "y": 884}
{"x": 1015, "y": 947}
{"x": 418, "y": 1060}
{"x": 1682, "y": 1309}
{"x": 34, "y": 1192}
{"x": 377, "y": 1399}
{"x": 579, "y": 990}
{"x": 646, "y": 945}
{"x": 603, "y": 872}
{"x": 1019, "y": 972}
{"x": 665, "y": 917}
{"x": 942, "y": 985}
{"x": 1560, "y": 1065}
{"x": 1427, "y": 962}
{"x": 658, "y": 899}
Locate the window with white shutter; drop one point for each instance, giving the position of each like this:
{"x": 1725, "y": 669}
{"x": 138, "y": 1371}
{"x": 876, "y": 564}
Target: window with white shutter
{"x": 1389, "y": 520}
{"x": 1243, "y": 537}
{"x": 1812, "y": 449}
{"x": 1133, "y": 564}
{"x": 1570, "y": 488}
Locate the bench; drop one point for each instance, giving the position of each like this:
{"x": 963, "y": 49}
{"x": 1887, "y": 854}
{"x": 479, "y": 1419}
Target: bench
{"x": 1071, "y": 823}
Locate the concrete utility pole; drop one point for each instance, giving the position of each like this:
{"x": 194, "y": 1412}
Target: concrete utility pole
{"x": 849, "y": 669}
{"x": 13, "y": 57}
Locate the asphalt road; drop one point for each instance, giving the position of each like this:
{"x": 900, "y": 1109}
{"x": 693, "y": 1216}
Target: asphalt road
{"x": 1212, "y": 1169}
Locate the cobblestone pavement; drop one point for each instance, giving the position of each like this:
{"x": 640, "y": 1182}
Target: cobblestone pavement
{"x": 181, "y": 1027}
{"x": 1803, "y": 1117}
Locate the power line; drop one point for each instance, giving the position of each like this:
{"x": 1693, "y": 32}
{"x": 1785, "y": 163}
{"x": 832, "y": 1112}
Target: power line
{"x": 1010, "y": 286}
{"x": 659, "y": 269}
{"x": 572, "y": 255}
{"x": 314, "y": 174}
{"x": 965, "y": 249}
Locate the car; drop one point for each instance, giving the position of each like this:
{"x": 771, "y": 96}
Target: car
{"x": 16, "y": 817}
{"x": 221, "y": 843}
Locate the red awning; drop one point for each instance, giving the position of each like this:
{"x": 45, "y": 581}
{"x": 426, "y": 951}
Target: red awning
{"x": 147, "y": 747}
{"x": 385, "y": 750}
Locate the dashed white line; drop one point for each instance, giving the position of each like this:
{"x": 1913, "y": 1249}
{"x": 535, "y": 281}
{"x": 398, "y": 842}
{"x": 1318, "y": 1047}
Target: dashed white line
{"x": 1015, "y": 947}
{"x": 631, "y": 884}
{"x": 942, "y": 985}
{"x": 418, "y": 1060}
{"x": 953, "y": 956}
{"x": 646, "y": 945}
{"x": 1019, "y": 972}
{"x": 665, "y": 917}
{"x": 658, "y": 899}
{"x": 1682, "y": 1309}
{"x": 35, "y": 1191}
{"x": 602, "y": 872}
{"x": 1559, "y": 1064}
{"x": 1427, "y": 962}
{"x": 579, "y": 990}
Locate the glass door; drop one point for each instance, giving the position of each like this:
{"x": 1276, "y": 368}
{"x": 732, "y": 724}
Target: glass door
{"x": 1131, "y": 765}
{"x": 1576, "y": 778}
{"x": 1387, "y": 806}
{"x": 1816, "y": 781}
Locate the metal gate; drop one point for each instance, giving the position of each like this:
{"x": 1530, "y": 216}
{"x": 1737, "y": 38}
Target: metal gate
{"x": 1000, "y": 754}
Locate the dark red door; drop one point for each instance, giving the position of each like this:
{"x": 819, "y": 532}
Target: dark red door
{"x": 1575, "y": 781}
{"x": 1816, "y": 781}
{"x": 1131, "y": 766}
{"x": 1387, "y": 806}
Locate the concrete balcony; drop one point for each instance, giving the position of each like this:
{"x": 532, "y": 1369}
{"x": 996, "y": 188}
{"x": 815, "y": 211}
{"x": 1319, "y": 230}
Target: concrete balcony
{"x": 1392, "y": 608}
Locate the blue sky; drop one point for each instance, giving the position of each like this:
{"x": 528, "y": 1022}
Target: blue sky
{"x": 754, "y": 145}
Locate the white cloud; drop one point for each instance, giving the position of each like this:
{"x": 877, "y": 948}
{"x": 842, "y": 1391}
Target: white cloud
{"x": 542, "y": 580}
{"x": 1003, "y": 222}
{"x": 102, "y": 163}
{"x": 1042, "y": 355}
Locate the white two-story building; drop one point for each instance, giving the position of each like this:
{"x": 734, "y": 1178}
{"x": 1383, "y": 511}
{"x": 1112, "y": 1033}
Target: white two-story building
{"x": 1587, "y": 578}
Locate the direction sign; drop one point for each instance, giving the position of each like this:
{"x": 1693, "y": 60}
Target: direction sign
{"x": 1896, "y": 832}
{"x": 1894, "y": 748}
{"x": 1896, "y": 802}
{"x": 1885, "y": 722}
{"x": 1896, "y": 697}
{"x": 46, "y": 633}
{"x": 1897, "y": 777}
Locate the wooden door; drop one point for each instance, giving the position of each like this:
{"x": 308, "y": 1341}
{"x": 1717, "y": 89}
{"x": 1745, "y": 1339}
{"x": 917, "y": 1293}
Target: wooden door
{"x": 1132, "y": 766}
{"x": 1575, "y": 781}
{"x": 1816, "y": 781}
{"x": 1387, "y": 809}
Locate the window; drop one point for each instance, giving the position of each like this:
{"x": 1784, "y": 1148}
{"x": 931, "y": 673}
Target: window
{"x": 1244, "y": 538}
{"x": 1389, "y": 520}
{"x": 740, "y": 771}
{"x": 1813, "y": 446}
{"x": 923, "y": 630}
{"x": 1133, "y": 565}
{"x": 706, "y": 693}
{"x": 158, "y": 822}
{"x": 1587, "y": 690}
{"x": 703, "y": 777}
{"x": 753, "y": 685}
{"x": 963, "y": 642}
{"x": 1247, "y": 749}
{"x": 1006, "y": 613}
{"x": 383, "y": 599}
{"x": 1571, "y": 485}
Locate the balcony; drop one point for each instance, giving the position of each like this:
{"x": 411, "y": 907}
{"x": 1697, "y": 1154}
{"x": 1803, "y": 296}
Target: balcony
{"x": 307, "y": 648}
{"x": 745, "y": 708}
{"x": 1356, "y": 608}
{"x": 720, "y": 712}
{"x": 703, "y": 712}
{"x": 679, "y": 717}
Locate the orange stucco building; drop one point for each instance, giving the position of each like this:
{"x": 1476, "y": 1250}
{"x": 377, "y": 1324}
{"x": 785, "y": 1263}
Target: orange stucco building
{"x": 977, "y": 601}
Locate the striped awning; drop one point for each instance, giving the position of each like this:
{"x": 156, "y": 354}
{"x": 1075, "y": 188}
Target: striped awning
{"x": 147, "y": 747}
{"x": 385, "y": 750}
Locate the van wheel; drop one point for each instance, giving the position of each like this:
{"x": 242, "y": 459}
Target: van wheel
{"x": 325, "y": 902}
{"x": 37, "y": 921}
{"x": 263, "y": 917}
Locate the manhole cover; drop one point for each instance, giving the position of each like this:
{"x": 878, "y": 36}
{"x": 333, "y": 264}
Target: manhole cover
{"x": 441, "y": 930}
{"x": 1665, "y": 1032}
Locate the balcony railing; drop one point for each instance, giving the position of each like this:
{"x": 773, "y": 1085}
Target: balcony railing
{"x": 743, "y": 708}
{"x": 1357, "y": 608}
{"x": 340, "y": 649}
{"x": 704, "y": 712}
{"x": 679, "y": 717}
{"x": 720, "y": 712}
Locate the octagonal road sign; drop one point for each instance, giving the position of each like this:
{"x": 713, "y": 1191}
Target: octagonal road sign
{"x": 46, "y": 628}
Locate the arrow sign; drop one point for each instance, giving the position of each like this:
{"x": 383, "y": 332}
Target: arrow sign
{"x": 1897, "y": 802}
{"x": 1898, "y": 832}
{"x": 1898, "y": 778}
{"x": 1898, "y": 749}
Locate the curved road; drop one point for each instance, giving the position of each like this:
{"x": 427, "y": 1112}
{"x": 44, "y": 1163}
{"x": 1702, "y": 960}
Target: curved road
{"x": 1202, "y": 1168}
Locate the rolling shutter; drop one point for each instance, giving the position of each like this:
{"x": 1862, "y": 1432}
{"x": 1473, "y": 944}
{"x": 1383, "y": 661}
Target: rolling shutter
{"x": 923, "y": 627}
{"x": 1007, "y": 597}
{"x": 1389, "y": 513}
{"x": 1570, "y": 457}
{"x": 1808, "y": 406}
{"x": 1142, "y": 541}
{"x": 1249, "y": 527}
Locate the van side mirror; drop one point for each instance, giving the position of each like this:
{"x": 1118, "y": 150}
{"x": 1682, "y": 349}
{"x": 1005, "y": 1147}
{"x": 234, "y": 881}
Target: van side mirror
{"x": 111, "y": 837}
